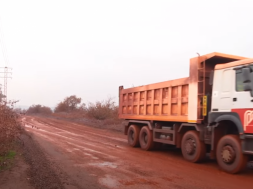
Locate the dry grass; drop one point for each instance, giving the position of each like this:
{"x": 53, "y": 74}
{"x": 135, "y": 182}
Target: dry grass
{"x": 102, "y": 110}
{"x": 101, "y": 114}
{"x": 82, "y": 118}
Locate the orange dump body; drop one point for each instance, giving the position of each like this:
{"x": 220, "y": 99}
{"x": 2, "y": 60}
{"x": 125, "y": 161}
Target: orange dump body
{"x": 165, "y": 101}
{"x": 178, "y": 100}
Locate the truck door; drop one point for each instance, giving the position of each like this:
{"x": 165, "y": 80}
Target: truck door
{"x": 226, "y": 91}
{"x": 242, "y": 102}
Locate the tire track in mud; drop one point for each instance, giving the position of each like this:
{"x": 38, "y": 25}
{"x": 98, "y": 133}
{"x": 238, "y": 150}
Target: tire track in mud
{"x": 41, "y": 173}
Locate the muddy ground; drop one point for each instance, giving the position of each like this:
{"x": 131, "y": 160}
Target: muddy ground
{"x": 61, "y": 154}
{"x": 30, "y": 168}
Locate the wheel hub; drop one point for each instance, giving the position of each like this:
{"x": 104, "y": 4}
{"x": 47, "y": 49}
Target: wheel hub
{"x": 131, "y": 136}
{"x": 228, "y": 154}
{"x": 145, "y": 138}
{"x": 190, "y": 146}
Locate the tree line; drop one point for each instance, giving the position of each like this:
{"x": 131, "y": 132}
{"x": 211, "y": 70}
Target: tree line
{"x": 100, "y": 110}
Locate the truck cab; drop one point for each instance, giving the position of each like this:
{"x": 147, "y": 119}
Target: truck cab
{"x": 233, "y": 94}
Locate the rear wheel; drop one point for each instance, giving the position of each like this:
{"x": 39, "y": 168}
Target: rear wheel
{"x": 133, "y": 135}
{"x": 193, "y": 149}
{"x": 229, "y": 154}
{"x": 146, "y": 138}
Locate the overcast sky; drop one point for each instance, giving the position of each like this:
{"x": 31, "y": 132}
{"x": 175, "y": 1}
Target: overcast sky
{"x": 90, "y": 48}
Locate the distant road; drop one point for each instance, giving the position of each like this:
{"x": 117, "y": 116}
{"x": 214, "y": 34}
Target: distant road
{"x": 97, "y": 158}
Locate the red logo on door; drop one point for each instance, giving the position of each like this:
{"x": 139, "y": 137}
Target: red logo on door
{"x": 246, "y": 117}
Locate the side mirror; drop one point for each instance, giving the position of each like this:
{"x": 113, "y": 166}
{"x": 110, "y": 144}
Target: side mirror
{"x": 246, "y": 75}
{"x": 247, "y": 87}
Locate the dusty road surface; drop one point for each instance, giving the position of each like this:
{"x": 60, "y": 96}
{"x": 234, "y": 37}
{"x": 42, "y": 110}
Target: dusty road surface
{"x": 96, "y": 158}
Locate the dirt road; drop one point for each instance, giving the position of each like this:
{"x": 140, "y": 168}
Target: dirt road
{"x": 96, "y": 158}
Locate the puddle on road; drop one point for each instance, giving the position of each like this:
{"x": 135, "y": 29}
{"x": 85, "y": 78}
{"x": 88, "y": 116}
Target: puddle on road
{"x": 31, "y": 126}
{"x": 109, "y": 182}
{"x": 104, "y": 164}
{"x": 26, "y": 125}
{"x": 72, "y": 149}
{"x": 90, "y": 155}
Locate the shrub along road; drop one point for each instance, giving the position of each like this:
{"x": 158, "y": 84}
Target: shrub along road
{"x": 88, "y": 157}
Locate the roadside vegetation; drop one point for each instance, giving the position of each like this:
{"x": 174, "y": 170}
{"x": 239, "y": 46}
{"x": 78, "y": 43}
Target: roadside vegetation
{"x": 6, "y": 160}
{"x": 101, "y": 114}
{"x": 10, "y": 129}
{"x": 38, "y": 109}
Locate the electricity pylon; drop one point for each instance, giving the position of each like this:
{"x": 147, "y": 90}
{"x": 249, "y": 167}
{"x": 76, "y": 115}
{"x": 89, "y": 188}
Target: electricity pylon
{"x": 6, "y": 73}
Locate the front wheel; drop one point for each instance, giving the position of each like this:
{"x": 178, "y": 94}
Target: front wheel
{"x": 193, "y": 149}
{"x": 229, "y": 154}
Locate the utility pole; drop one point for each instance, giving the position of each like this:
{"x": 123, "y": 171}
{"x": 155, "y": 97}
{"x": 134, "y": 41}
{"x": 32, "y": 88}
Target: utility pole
{"x": 1, "y": 94}
{"x": 6, "y": 73}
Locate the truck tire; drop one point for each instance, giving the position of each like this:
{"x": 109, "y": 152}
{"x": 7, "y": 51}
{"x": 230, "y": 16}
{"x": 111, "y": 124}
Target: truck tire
{"x": 229, "y": 154}
{"x": 146, "y": 138}
{"x": 133, "y": 135}
{"x": 192, "y": 148}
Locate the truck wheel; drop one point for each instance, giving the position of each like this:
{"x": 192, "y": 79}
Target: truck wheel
{"x": 146, "y": 138}
{"x": 133, "y": 135}
{"x": 229, "y": 154}
{"x": 192, "y": 148}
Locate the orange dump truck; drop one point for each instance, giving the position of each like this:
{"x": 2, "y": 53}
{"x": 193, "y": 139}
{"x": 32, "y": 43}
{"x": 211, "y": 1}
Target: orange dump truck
{"x": 211, "y": 111}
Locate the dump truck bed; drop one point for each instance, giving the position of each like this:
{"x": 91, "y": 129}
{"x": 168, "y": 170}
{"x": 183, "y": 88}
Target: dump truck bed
{"x": 164, "y": 101}
{"x": 177, "y": 100}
